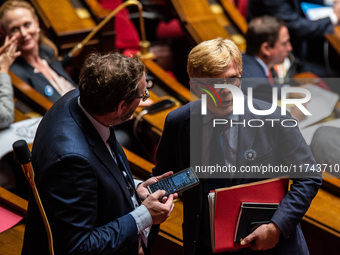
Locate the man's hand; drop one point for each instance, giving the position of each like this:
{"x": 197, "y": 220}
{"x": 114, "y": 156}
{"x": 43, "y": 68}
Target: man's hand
{"x": 264, "y": 237}
{"x": 297, "y": 113}
{"x": 159, "y": 211}
{"x": 142, "y": 188}
{"x": 298, "y": 95}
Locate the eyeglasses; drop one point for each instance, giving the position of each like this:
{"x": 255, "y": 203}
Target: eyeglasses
{"x": 145, "y": 95}
{"x": 235, "y": 81}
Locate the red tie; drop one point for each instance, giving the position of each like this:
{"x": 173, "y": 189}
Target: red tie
{"x": 270, "y": 77}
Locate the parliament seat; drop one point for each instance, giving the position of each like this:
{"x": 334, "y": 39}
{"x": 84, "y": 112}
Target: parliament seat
{"x": 206, "y": 20}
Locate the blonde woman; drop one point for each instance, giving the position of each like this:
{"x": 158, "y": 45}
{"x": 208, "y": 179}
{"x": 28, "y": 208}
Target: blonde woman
{"x": 37, "y": 64}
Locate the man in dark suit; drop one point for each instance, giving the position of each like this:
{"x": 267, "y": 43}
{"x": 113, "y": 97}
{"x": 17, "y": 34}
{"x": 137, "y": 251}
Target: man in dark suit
{"x": 82, "y": 173}
{"x": 186, "y": 142}
{"x": 268, "y": 44}
{"x": 307, "y": 36}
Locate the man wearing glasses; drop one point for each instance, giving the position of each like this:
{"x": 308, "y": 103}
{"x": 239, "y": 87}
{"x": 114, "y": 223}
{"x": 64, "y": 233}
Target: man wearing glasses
{"x": 91, "y": 200}
{"x": 189, "y": 139}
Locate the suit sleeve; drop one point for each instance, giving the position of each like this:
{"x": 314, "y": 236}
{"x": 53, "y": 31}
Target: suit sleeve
{"x": 6, "y": 101}
{"x": 73, "y": 214}
{"x": 295, "y": 152}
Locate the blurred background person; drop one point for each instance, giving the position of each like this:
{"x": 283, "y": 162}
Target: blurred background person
{"x": 307, "y": 36}
{"x": 268, "y": 45}
{"x": 37, "y": 64}
{"x": 8, "y": 54}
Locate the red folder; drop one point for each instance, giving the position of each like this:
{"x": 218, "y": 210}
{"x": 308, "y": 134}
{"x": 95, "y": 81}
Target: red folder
{"x": 227, "y": 205}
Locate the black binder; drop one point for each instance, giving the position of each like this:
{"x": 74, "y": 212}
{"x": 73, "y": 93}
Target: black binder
{"x": 251, "y": 216}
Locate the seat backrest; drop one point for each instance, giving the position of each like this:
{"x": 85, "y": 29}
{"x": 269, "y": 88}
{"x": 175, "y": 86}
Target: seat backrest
{"x": 242, "y": 6}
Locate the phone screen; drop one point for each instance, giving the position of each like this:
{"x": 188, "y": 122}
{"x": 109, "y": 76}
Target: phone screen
{"x": 159, "y": 106}
{"x": 175, "y": 183}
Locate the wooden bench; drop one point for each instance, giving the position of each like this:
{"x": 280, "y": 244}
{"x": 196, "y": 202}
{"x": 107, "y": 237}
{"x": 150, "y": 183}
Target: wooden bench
{"x": 205, "y": 21}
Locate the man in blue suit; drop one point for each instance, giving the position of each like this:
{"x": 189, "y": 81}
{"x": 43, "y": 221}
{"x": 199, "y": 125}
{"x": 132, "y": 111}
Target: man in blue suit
{"x": 82, "y": 173}
{"x": 307, "y": 36}
{"x": 268, "y": 44}
{"x": 186, "y": 142}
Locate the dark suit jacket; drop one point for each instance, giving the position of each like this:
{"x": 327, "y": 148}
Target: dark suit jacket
{"x": 306, "y": 36}
{"x": 274, "y": 146}
{"x": 253, "y": 76}
{"x": 37, "y": 80}
{"x": 290, "y": 11}
{"x": 251, "y": 68}
{"x": 82, "y": 189}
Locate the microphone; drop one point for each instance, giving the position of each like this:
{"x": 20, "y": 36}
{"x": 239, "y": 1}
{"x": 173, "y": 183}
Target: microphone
{"x": 144, "y": 44}
{"x": 23, "y": 156}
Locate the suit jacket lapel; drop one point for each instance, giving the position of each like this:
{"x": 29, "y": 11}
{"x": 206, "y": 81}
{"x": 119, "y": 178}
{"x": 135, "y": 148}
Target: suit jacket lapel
{"x": 195, "y": 133}
{"x": 99, "y": 147}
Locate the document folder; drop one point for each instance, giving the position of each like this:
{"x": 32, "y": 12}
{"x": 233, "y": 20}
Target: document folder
{"x": 251, "y": 216}
{"x": 225, "y": 204}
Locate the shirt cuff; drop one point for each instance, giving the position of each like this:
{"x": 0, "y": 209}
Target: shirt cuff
{"x": 137, "y": 182}
{"x": 334, "y": 18}
{"x": 142, "y": 217}
{"x": 5, "y": 78}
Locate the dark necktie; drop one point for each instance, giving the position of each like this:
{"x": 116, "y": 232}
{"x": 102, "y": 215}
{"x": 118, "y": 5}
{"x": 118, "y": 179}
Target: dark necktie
{"x": 114, "y": 147}
{"x": 217, "y": 148}
{"x": 218, "y": 154}
{"x": 119, "y": 160}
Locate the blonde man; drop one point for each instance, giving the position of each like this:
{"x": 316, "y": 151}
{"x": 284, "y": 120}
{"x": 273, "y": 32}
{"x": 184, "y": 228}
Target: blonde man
{"x": 187, "y": 140}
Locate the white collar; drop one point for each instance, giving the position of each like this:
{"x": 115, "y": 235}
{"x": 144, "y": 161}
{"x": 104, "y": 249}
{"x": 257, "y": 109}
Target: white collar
{"x": 263, "y": 65}
{"x": 103, "y": 131}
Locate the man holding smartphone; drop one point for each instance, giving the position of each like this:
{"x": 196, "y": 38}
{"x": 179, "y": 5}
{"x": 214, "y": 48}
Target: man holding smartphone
{"x": 83, "y": 176}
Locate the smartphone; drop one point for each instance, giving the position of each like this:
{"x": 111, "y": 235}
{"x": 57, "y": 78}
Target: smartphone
{"x": 175, "y": 183}
{"x": 159, "y": 106}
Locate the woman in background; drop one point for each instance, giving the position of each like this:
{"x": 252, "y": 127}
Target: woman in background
{"x": 37, "y": 64}
{"x": 8, "y": 54}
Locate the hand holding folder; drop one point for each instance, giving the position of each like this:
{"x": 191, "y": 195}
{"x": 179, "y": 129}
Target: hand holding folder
{"x": 251, "y": 216}
{"x": 225, "y": 205}
{"x": 264, "y": 237}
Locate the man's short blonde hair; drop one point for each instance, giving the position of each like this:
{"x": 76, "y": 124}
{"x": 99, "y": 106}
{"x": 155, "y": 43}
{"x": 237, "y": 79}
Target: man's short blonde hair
{"x": 213, "y": 57}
